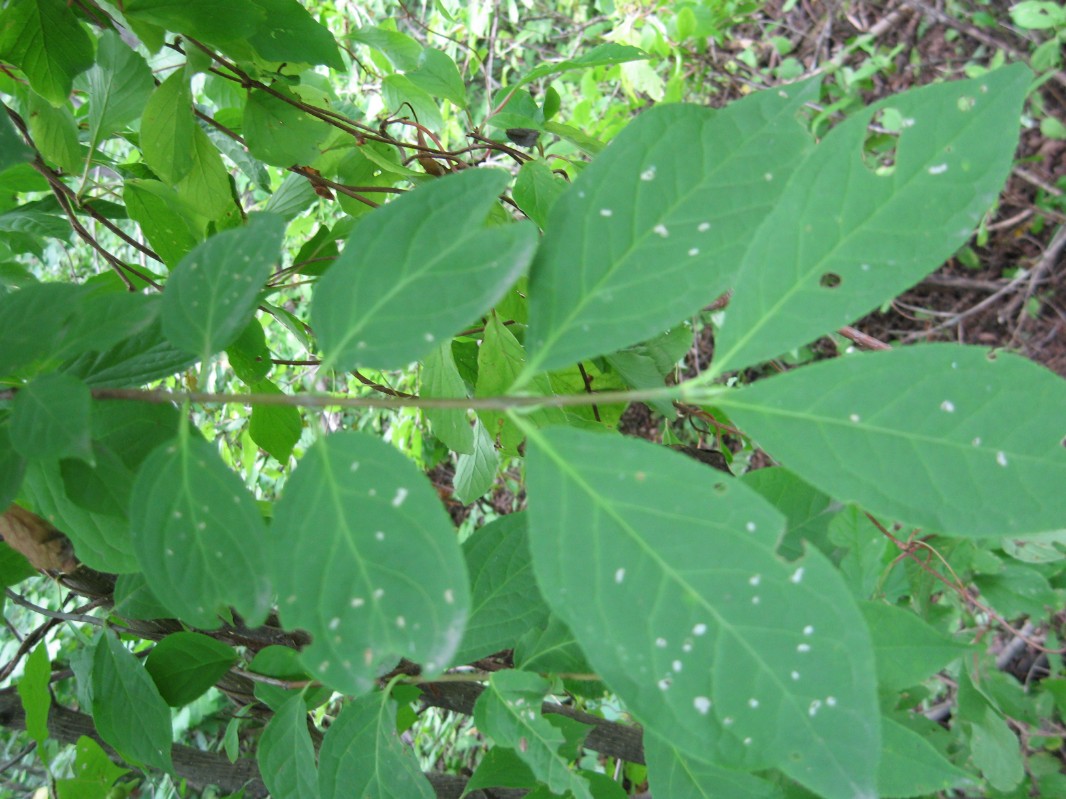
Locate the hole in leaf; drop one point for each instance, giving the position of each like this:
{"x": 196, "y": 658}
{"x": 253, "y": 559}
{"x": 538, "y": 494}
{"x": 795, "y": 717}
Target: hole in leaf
{"x": 882, "y": 140}
{"x": 830, "y": 280}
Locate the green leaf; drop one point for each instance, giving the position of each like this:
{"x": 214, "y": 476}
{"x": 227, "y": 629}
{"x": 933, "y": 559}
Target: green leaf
{"x": 906, "y": 648}
{"x": 14, "y": 568}
{"x": 135, "y": 361}
{"x": 947, "y": 430}
{"x": 55, "y": 133}
{"x": 198, "y": 535}
{"x": 134, "y": 599}
{"x": 94, "y": 773}
{"x": 13, "y": 149}
{"x": 185, "y": 664}
{"x": 167, "y": 129}
{"x": 156, "y": 208}
{"x": 284, "y": 663}
{"x": 415, "y": 271}
{"x": 249, "y": 355}
{"x": 536, "y": 190}
{"x": 403, "y": 51}
{"x": 207, "y": 186}
{"x": 440, "y": 378}
{"x": 807, "y": 510}
{"x": 600, "y": 55}
{"x": 213, "y": 292}
{"x": 288, "y": 33}
{"x": 996, "y": 751}
{"x": 505, "y": 601}
{"x": 403, "y": 96}
{"x": 673, "y": 773}
{"x": 279, "y": 133}
{"x": 50, "y": 419}
{"x": 842, "y": 239}
{"x": 34, "y": 694}
{"x": 101, "y": 541}
{"x": 44, "y": 39}
{"x": 475, "y": 472}
{"x": 362, "y": 755}
{"x": 729, "y": 653}
{"x": 911, "y": 766}
{"x": 508, "y": 711}
{"x": 120, "y": 84}
{"x": 201, "y": 19}
{"x": 501, "y": 768}
{"x": 102, "y": 487}
{"x": 365, "y": 559}
{"x": 286, "y": 755}
{"x": 275, "y": 428}
{"x": 1017, "y": 590}
{"x": 673, "y": 201}
{"x": 12, "y": 468}
{"x": 128, "y": 711}
{"x": 438, "y": 75}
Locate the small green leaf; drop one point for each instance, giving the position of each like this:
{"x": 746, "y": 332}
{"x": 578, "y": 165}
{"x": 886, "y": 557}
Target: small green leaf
{"x": 14, "y": 568}
{"x": 600, "y": 55}
{"x": 185, "y": 664}
{"x": 279, "y": 133}
{"x": 55, "y": 133}
{"x": 673, "y": 773}
{"x": 400, "y": 92}
{"x": 167, "y": 129}
{"x": 13, "y": 149}
{"x": 679, "y": 563}
{"x": 536, "y": 191}
{"x": 128, "y": 711}
{"x": 284, "y": 663}
{"x": 44, "y": 39}
{"x": 399, "y": 48}
{"x": 475, "y": 472}
{"x": 501, "y": 768}
{"x": 198, "y": 535}
{"x": 508, "y": 711}
{"x": 362, "y": 755}
{"x": 996, "y": 751}
{"x": 286, "y": 755}
{"x": 415, "y": 271}
{"x": 94, "y": 773}
{"x": 438, "y": 75}
{"x": 289, "y": 33}
{"x": 275, "y": 428}
{"x": 50, "y": 419}
{"x": 201, "y": 19}
{"x": 906, "y": 648}
{"x": 34, "y": 693}
{"x": 207, "y": 186}
{"x": 807, "y": 510}
{"x": 365, "y": 559}
{"x": 120, "y": 84}
{"x": 212, "y": 293}
{"x": 911, "y": 766}
{"x": 249, "y": 355}
{"x": 948, "y": 431}
{"x": 156, "y": 208}
{"x": 12, "y": 468}
{"x": 440, "y": 378}
{"x": 134, "y": 599}
{"x": 137, "y": 360}
{"x": 505, "y": 601}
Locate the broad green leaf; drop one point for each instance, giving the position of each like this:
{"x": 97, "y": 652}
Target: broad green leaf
{"x": 674, "y": 200}
{"x": 364, "y": 558}
{"x": 44, "y": 39}
{"x": 135, "y": 361}
{"x": 501, "y": 768}
{"x": 13, "y": 149}
{"x": 249, "y": 355}
{"x": 505, "y": 601}
{"x": 729, "y": 653}
{"x": 508, "y": 712}
{"x": 94, "y": 773}
{"x": 101, "y": 487}
{"x": 120, "y": 84}
{"x": 907, "y": 649}
{"x": 286, "y": 755}
{"x": 101, "y": 542}
{"x": 275, "y": 428}
{"x": 600, "y": 55}
{"x": 536, "y": 189}
{"x": 915, "y": 434}
{"x": 842, "y": 239}
{"x": 284, "y": 663}
{"x": 198, "y": 534}
{"x": 134, "y": 599}
{"x": 288, "y": 33}
{"x": 440, "y": 378}
{"x": 213, "y": 292}
{"x": 156, "y": 208}
{"x": 438, "y": 75}
{"x": 807, "y": 510}
{"x": 167, "y": 129}
{"x": 185, "y": 664}
{"x": 415, "y": 271}
{"x": 33, "y": 690}
{"x": 398, "y": 90}
{"x": 677, "y": 775}
{"x": 279, "y": 133}
{"x": 201, "y": 19}
{"x": 1017, "y": 590}
{"x": 55, "y": 133}
{"x": 399, "y": 48}
{"x": 911, "y": 766}
{"x": 1039, "y": 548}
{"x": 14, "y": 568}
{"x": 996, "y": 751}
{"x": 50, "y": 419}
{"x": 475, "y": 472}
{"x": 500, "y": 360}
{"x": 551, "y": 647}
{"x": 362, "y": 755}
{"x": 207, "y": 186}
{"x": 128, "y": 711}
{"x": 294, "y": 196}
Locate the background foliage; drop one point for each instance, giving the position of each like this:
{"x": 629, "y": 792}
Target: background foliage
{"x": 331, "y": 332}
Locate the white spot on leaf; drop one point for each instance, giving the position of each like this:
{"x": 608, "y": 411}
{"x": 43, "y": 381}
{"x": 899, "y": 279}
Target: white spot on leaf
{"x": 401, "y": 495}
{"x": 699, "y": 629}
{"x": 648, "y": 174}
{"x": 619, "y": 575}
{"x": 606, "y": 212}
{"x": 661, "y": 230}
{"x": 797, "y": 576}
{"x": 947, "y": 406}
{"x": 702, "y": 705}
{"x": 939, "y": 169}
{"x": 1001, "y": 458}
